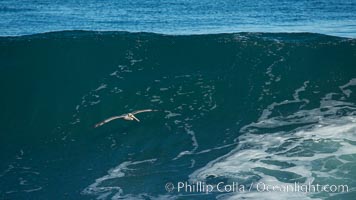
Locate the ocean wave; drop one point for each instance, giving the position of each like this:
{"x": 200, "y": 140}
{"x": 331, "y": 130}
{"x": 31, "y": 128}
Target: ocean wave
{"x": 248, "y": 107}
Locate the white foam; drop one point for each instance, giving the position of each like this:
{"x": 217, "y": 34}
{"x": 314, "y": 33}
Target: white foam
{"x": 296, "y": 94}
{"x": 114, "y": 73}
{"x": 101, "y": 87}
{"x": 171, "y": 114}
{"x": 94, "y": 102}
{"x": 33, "y": 189}
{"x": 302, "y": 153}
{"x": 163, "y": 89}
{"x": 103, "y": 192}
{"x": 344, "y": 89}
{"x": 116, "y": 90}
{"x": 194, "y": 142}
{"x": 296, "y": 99}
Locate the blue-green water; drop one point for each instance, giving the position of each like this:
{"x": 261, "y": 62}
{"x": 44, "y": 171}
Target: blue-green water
{"x": 331, "y": 17}
{"x": 246, "y": 107}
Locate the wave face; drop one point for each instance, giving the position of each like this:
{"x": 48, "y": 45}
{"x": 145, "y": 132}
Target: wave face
{"x": 246, "y": 107}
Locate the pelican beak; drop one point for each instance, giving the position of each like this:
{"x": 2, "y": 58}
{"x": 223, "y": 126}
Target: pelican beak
{"x": 133, "y": 116}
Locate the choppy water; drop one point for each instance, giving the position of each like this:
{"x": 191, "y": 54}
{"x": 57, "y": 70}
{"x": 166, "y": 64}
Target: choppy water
{"x": 248, "y": 107}
{"x": 23, "y": 17}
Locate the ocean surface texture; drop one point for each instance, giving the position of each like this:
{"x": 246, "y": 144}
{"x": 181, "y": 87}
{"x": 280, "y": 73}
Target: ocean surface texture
{"x": 332, "y": 17}
{"x": 246, "y": 107}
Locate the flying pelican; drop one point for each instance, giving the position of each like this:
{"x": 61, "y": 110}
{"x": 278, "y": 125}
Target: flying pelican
{"x": 128, "y": 116}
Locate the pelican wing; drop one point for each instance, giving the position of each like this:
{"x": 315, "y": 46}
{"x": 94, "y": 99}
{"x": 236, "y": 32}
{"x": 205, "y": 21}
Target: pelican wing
{"x": 108, "y": 120}
{"x": 141, "y": 111}
{"x": 135, "y": 118}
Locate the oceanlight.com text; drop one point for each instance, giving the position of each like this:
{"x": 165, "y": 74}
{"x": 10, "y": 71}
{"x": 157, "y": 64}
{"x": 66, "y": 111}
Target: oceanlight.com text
{"x": 202, "y": 187}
